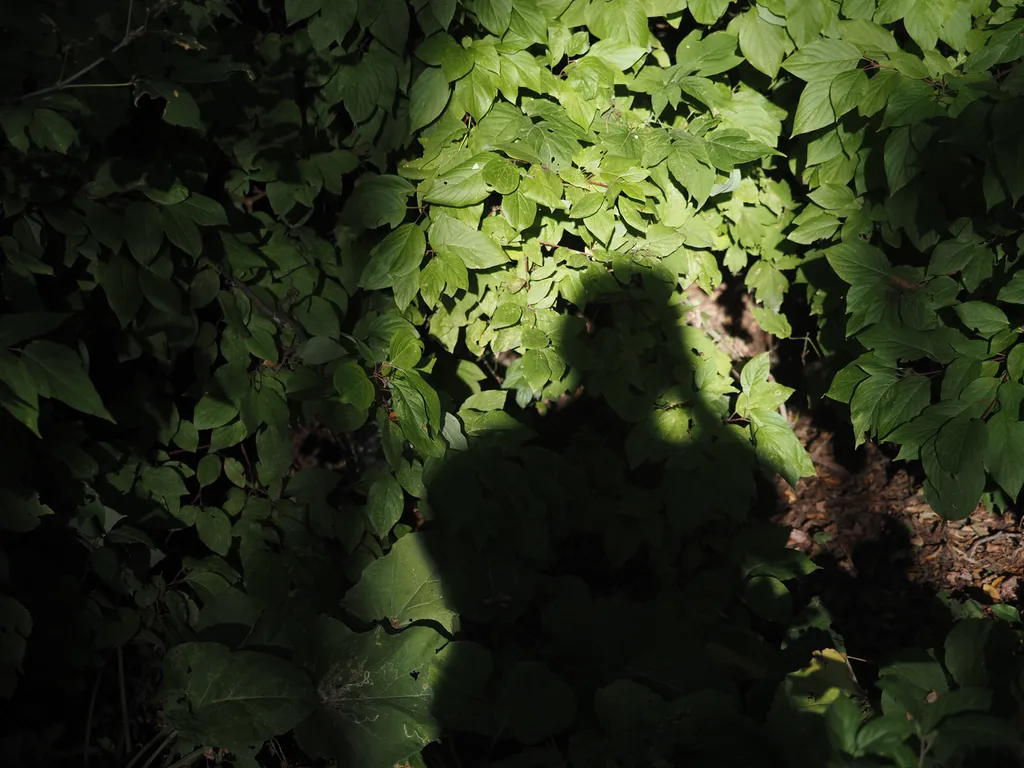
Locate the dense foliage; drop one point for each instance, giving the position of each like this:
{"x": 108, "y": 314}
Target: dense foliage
{"x": 454, "y": 244}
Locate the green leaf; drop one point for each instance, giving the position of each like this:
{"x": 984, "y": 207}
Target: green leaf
{"x": 951, "y": 256}
{"x": 21, "y": 398}
{"x": 1013, "y": 291}
{"x": 1003, "y": 452}
{"x": 400, "y": 253}
{"x": 211, "y": 412}
{"x": 297, "y": 10}
{"x": 617, "y": 54}
{"x": 923, "y": 20}
{"x": 534, "y": 703}
{"x": 1015, "y": 362}
{"x": 235, "y": 472}
{"x": 204, "y": 288}
{"x": 18, "y": 327}
{"x": 181, "y": 109}
{"x": 428, "y": 97}
{"x": 965, "y": 652}
{"x": 378, "y": 200}
{"x": 844, "y": 720}
{"x": 519, "y": 210}
{"x": 814, "y": 110}
{"x": 208, "y": 470}
{"x": 50, "y": 130}
{"x": 502, "y": 175}
{"x": 181, "y": 230}
{"x": 707, "y": 12}
{"x": 981, "y": 317}
{"x": 476, "y": 250}
{"x": 405, "y": 350}
{"x": 494, "y": 15}
{"x": 764, "y": 45}
{"x": 353, "y": 385}
{"x": 858, "y": 262}
{"x": 120, "y": 281}
{"x": 769, "y": 599}
{"x": 385, "y": 504}
{"x": 202, "y": 210}
{"x": 833, "y": 196}
{"x": 236, "y": 699}
{"x": 214, "y": 529}
{"x": 143, "y": 231}
{"x": 777, "y": 446}
{"x": 21, "y": 511}
{"x": 461, "y": 186}
{"x": 59, "y": 374}
{"x": 371, "y": 678}
{"x": 823, "y": 59}
{"x": 535, "y": 368}
{"x": 404, "y": 586}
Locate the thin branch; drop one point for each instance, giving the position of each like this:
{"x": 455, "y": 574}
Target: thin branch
{"x": 129, "y": 36}
{"x": 88, "y": 717}
{"x": 161, "y": 748}
{"x": 127, "y": 733}
{"x": 188, "y": 759}
{"x": 276, "y": 316}
{"x": 128, "y": 24}
{"x": 148, "y": 746}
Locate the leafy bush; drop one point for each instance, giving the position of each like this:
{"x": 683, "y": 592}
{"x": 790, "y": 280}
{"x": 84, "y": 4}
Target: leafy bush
{"x": 458, "y": 240}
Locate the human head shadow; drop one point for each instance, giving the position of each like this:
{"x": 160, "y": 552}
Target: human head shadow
{"x": 602, "y": 551}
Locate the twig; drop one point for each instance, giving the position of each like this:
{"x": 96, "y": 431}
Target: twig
{"x": 156, "y": 753}
{"x": 187, "y": 759}
{"x": 129, "y": 36}
{"x": 992, "y": 537}
{"x": 127, "y": 733}
{"x": 146, "y": 747}
{"x": 128, "y": 23}
{"x": 88, "y": 717}
{"x": 277, "y": 317}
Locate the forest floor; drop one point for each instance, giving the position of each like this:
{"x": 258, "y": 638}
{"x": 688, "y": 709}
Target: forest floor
{"x": 885, "y": 555}
{"x": 887, "y": 560}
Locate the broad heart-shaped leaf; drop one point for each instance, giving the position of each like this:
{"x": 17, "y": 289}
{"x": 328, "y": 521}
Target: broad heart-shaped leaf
{"x": 1004, "y": 456}
{"x": 450, "y": 236}
{"x": 376, "y": 698}
{"x": 428, "y": 97}
{"x": 58, "y": 373}
{"x": 402, "y": 587}
{"x": 777, "y": 447}
{"x": 236, "y": 700}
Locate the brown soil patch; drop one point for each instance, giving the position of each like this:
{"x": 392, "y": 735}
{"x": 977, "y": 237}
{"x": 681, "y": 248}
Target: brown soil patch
{"x": 886, "y": 555}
